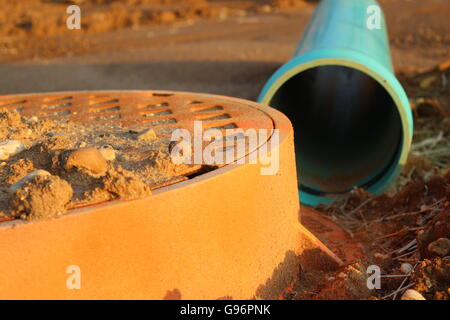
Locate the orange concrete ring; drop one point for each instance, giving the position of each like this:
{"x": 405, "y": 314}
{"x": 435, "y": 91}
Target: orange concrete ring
{"x": 231, "y": 233}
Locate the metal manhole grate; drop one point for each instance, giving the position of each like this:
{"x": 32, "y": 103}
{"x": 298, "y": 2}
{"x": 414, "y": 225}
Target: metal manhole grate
{"x": 167, "y": 110}
{"x": 140, "y": 108}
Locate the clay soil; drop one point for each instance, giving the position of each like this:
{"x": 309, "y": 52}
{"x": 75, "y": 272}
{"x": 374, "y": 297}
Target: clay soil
{"x": 231, "y": 48}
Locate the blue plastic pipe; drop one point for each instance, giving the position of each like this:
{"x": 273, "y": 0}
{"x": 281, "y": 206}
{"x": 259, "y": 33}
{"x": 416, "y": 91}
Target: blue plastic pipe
{"x": 352, "y": 120}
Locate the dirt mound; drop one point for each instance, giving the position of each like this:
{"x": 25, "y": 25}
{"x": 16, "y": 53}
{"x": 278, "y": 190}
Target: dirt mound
{"x": 41, "y": 197}
{"x": 50, "y": 166}
{"x": 432, "y": 278}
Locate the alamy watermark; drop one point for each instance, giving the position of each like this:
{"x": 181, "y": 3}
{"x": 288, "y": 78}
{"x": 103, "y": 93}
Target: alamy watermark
{"x": 212, "y": 147}
{"x": 374, "y": 278}
{"x": 373, "y": 20}
{"x": 73, "y": 282}
{"x": 73, "y": 21}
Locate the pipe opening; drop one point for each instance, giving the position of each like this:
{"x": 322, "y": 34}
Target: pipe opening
{"x": 348, "y": 131}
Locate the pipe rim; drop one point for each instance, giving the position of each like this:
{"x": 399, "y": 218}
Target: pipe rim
{"x": 368, "y": 66}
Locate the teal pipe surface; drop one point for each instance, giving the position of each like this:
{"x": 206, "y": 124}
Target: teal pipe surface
{"x": 352, "y": 120}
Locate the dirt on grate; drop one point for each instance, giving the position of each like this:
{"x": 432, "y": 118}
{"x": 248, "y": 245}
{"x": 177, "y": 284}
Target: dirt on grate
{"x": 51, "y": 166}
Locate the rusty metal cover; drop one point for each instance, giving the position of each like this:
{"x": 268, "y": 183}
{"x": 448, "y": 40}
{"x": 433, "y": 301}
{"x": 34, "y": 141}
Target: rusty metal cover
{"x": 165, "y": 109}
{"x": 152, "y": 108}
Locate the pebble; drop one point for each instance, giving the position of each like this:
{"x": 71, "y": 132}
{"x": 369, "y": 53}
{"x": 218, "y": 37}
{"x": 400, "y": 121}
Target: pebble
{"x": 411, "y": 294}
{"x": 223, "y": 14}
{"x": 108, "y": 152}
{"x": 10, "y": 148}
{"x": 167, "y": 16}
{"x": 33, "y": 119}
{"x": 3, "y": 155}
{"x": 440, "y": 247}
{"x": 56, "y": 134}
{"x": 89, "y": 159}
{"x": 380, "y": 256}
{"x": 146, "y": 135}
{"x": 265, "y": 8}
{"x": 406, "y": 268}
{"x": 21, "y": 182}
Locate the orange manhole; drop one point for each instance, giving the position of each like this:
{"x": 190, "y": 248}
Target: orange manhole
{"x": 230, "y": 232}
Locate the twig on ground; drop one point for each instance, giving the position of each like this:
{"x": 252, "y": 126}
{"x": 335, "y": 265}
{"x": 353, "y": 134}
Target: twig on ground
{"x": 397, "y": 291}
{"x": 403, "y": 282}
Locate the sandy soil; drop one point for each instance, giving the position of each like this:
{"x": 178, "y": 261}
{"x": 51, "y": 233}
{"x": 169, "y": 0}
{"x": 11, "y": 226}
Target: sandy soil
{"x": 51, "y": 166}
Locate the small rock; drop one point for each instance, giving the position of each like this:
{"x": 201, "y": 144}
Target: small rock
{"x": 56, "y": 134}
{"x": 82, "y": 144}
{"x": 223, "y": 14}
{"x": 380, "y": 256}
{"x": 33, "y": 119}
{"x": 10, "y": 148}
{"x": 21, "y": 182}
{"x": 265, "y": 8}
{"x": 428, "y": 81}
{"x": 167, "y": 16}
{"x": 146, "y": 135}
{"x": 406, "y": 268}
{"x": 242, "y": 13}
{"x": 108, "y": 152}
{"x": 440, "y": 247}
{"x": 411, "y": 294}
{"x": 4, "y": 155}
{"x": 86, "y": 159}
{"x": 434, "y": 230}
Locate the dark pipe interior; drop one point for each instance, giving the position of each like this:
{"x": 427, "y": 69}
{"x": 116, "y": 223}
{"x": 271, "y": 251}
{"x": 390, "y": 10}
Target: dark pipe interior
{"x": 347, "y": 128}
